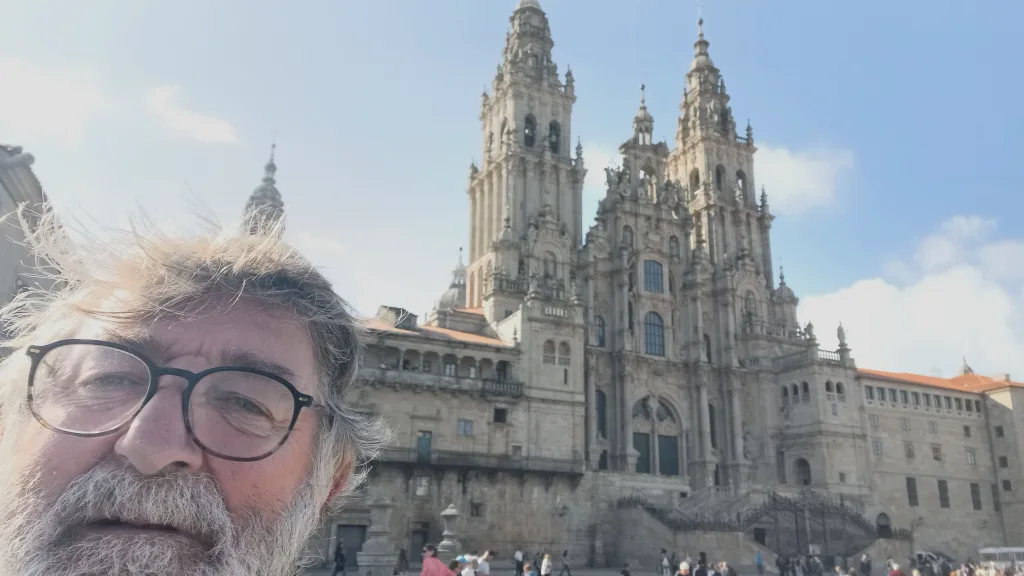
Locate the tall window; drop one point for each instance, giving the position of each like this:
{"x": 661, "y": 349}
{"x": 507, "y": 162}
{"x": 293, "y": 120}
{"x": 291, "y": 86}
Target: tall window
{"x": 876, "y": 448}
{"x": 673, "y": 246}
{"x": 711, "y": 426}
{"x": 554, "y": 137}
{"x": 599, "y": 331}
{"x": 912, "y": 491}
{"x": 654, "y": 334}
{"x": 943, "y": 494}
{"x": 564, "y": 353}
{"x": 530, "y": 131}
{"x": 719, "y": 177}
{"x": 550, "y": 264}
{"x": 654, "y": 280}
{"x": 707, "y": 348}
{"x": 602, "y": 418}
{"x": 976, "y": 495}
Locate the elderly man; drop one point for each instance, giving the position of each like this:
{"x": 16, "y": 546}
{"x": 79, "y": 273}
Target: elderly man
{"x": 175, "y": 407}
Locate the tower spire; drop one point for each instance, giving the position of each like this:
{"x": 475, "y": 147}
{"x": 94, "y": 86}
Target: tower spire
{"x": 265, "y": 207}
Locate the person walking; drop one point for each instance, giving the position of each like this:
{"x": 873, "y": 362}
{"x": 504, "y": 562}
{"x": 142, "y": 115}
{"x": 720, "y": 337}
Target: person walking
{"x": 565, "y": 564}
{"x": 518, "y": 557}
{"x": 339, "y": 558}
{"x": 545, "y": 565}
{"x": 865, "y": 565}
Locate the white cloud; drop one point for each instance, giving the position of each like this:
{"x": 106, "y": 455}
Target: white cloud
{"x": 797, "y": 181}
{"x": 163, "y": 102}
{"x": 961, "y": 295}
{"x": 596, "y": 157}
{"x": 40, "y": 102}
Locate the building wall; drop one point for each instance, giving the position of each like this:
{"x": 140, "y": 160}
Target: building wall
{"x": 18, "y": 185}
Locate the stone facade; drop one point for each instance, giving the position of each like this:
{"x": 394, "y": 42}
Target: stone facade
{"x": 18, "y": 186}
{"x": 645, "y": 380}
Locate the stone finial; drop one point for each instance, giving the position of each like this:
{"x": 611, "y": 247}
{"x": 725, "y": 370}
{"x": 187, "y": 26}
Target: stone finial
{"x": 449, "y": 547}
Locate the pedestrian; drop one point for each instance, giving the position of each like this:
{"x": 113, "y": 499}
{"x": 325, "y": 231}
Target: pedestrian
{"x": 483, "y": 564}
{"x": 518, "y": 557}
{"x": 545, "y": 565}
{"x": 865, "y": 564}
{"x": 565, "y": 564}
{"x": 339, "y": 558}
{"x": 759, "y": 562}
{"x": 432, "y": 565}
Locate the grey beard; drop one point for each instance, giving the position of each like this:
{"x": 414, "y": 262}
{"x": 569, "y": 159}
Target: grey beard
{"x": 40, "y": 538}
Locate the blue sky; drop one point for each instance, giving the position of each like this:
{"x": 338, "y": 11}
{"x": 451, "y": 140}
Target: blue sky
{"x": 890, "y": 136}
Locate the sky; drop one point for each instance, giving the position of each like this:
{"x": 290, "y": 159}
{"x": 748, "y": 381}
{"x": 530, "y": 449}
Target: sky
{"x": 888, "y": 135}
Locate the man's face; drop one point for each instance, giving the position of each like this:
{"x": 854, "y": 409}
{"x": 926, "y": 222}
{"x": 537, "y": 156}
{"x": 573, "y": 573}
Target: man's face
{"x": 148, "y": 493}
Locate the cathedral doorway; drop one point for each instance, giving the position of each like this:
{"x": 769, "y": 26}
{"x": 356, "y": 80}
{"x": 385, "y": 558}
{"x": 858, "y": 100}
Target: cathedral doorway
{"x": 802, "y": 471}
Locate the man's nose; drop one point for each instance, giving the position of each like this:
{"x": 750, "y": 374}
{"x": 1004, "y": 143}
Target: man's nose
{"x": 156, "y": 441}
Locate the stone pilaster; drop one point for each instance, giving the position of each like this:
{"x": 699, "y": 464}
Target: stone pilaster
{"x": 378, "y": 555}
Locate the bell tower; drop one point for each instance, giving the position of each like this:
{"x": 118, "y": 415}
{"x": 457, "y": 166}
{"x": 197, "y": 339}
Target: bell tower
{"x": 525, "y": 199}
{"x": 716, "y": 164}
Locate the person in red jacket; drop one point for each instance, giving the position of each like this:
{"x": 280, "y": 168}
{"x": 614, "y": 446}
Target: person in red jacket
{"x": 432, "y": 565}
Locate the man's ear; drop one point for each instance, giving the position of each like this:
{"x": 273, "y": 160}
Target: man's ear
{"x": 341, "y": 479}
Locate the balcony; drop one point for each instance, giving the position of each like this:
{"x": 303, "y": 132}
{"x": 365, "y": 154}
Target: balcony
{"x": 420, "y": 381}
{"x": 481, "y": 461}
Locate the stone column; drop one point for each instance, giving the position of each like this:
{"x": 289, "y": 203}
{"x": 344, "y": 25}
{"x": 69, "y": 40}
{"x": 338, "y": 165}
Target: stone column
{"x": 449, "y": 547}
{"x": 705, "y": 422}
{"x": 378, "y": 556}
{"x": 737, "y": 422}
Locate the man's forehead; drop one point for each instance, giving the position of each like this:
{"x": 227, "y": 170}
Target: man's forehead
{"x": 241, "y": 335}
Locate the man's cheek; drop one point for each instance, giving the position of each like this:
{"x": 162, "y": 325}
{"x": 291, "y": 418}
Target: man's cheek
{"x": 53, "y": 460}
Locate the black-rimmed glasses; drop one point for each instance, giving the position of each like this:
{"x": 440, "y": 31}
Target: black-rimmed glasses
{"x": 91, "y": 388}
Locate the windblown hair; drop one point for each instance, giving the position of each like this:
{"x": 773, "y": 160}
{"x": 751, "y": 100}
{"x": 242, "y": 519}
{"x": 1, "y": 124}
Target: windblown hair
{"x": 144, "y": 274}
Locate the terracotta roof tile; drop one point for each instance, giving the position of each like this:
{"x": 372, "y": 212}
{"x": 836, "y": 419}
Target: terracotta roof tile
{"x": 971, "y": 383}
{"x": 435, "y": 333}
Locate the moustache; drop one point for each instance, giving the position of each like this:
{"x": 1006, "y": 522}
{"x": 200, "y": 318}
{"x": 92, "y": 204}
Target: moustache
{"x": 177, "y": 503}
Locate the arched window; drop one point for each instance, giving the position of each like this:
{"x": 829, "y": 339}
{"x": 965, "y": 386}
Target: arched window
{"x": 550, "y": 263}
{"x": 529, "y": 131}
{"x": 627, "y": 236}
{"x": 719, "y": 177}
{"x": 602, "y": 461}
{"x": 598, "y": 331}
{"x": 563, "y": 353}
{"x": 840, "y": 392}
{"x": 796, "y": 393}
{"x": 654, "y": 280}
{"x": 654, "y": 334}
{"x": 673, "y": 246}
{"x": 602, "y": 416}
{"x": 785, "y": 395}
{"x": 883, "y": 526}
{"x": 805, "y": 392}
{"x": 803, "y": 472}
{"x": 750, "y": 304}
{"x": 549, "y": 352}
{"x": 707, "y": 348}
{"x": 828, "y": 386}
{"x": 554, "y": 137}
{"x": 711, "y": 426}
{"x": 694, "y": 181}
{"x": 741, "y": 185}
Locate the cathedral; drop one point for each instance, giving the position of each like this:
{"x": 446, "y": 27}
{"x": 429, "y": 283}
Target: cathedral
{"x": 644, "y": 382}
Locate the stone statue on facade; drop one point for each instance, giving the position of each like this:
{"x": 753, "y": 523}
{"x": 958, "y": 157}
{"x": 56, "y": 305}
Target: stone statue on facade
{"x": 841, "y": 334}
{"x": 809, "y": 331}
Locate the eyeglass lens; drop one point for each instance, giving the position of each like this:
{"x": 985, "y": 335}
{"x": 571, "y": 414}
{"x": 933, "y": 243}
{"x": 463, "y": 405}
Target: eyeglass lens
{"x": 89, "y": 388}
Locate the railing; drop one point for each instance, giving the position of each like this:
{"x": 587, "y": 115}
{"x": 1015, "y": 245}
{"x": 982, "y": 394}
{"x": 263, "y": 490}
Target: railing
{"x": 481, "y": 460}
{"x": 829, "y": 356}
{"x": 495, "y": 387}
{"x": 410, "y": 379}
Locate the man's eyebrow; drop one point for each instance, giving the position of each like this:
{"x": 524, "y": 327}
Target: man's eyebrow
{"x": 250, "y": 360}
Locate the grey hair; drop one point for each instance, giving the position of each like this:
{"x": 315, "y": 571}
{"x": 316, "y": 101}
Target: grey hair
{"x": 144, "y": 274}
